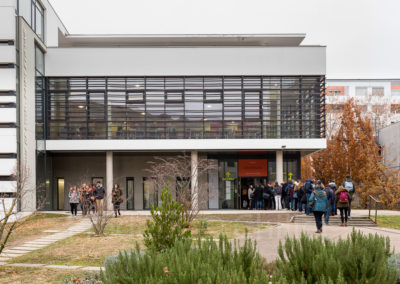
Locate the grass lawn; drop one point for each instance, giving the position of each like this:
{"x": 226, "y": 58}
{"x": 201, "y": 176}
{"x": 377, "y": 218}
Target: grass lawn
{"x": 89, "y": 250}
{"x": 38, "y": 275}
{"x": 392, "y": 222}
{"x": 33, "y": 227}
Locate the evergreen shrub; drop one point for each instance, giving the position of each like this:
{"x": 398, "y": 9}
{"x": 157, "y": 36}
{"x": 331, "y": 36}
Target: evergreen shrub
{"x": 190, "y": 261}
{"x": 167, "y": 225}
{"x": 357, "y": 259}
{"x": 394, "y": 262}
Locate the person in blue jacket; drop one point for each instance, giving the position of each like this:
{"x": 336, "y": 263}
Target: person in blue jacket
{"x": 320, "y": 200}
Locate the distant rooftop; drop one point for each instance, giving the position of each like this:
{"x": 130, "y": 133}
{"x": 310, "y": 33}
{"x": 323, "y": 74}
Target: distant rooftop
{"x": 117, "y": 40}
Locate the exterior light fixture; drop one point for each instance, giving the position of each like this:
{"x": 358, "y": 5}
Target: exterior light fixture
{"x": 143, "y": 113}
{"x": 81, "y": 107}
{"x": 137, "y": 86}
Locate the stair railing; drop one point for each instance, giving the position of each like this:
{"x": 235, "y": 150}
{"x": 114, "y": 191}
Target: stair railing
{"x": 372, "y": 199}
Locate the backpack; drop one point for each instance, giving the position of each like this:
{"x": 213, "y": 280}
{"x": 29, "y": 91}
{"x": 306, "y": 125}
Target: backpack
{"x": 343, "y": 197}
{"x": 349, "y": 186}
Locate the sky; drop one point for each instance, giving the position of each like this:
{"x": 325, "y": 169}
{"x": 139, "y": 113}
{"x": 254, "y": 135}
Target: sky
{"x": 362, "y": 36}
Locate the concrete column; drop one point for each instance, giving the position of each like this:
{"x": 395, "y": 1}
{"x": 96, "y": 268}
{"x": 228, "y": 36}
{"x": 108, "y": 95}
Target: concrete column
{"x": 109, "y": 178}
{"x": 279, "y": 166}
{"x": 194, "y": 179}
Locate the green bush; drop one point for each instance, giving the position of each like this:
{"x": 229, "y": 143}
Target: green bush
{"x": 203, "y": 226}
{"x": 190, "y": 262}
{"x": 394, "y": 262}
{"x": 167, "y": 225}
{"x": 358, "y": 259}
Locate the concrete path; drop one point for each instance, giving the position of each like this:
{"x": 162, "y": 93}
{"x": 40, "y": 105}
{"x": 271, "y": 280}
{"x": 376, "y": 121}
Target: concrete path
{"x": 79, "y": 227}
{"x": 268, "y": 239}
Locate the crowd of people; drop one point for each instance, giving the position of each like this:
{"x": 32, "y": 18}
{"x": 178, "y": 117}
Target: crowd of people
{"x": 91, "y": 199}
{"x": 310, "y": 196}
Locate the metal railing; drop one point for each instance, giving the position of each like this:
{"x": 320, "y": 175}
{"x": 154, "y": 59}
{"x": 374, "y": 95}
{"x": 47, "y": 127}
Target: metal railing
{"x": 372, "y": 199}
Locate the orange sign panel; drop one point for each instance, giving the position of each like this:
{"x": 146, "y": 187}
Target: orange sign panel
{"x": 253, "y": 167}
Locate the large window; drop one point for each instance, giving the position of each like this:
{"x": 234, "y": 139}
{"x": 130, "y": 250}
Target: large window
{"x": 186, "y": 107}
{"x": 33, "y": 13}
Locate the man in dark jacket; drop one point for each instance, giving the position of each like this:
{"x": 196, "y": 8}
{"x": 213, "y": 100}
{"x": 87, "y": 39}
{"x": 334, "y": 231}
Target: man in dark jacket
{"x": 334, "y": 187}
{"x": 331, "y": 201}
{"x": 99, "y": 193}
{"x": 308, "y": 188}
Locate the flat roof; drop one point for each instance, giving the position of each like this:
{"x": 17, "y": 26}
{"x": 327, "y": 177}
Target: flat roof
{"x": 139, "y": 40}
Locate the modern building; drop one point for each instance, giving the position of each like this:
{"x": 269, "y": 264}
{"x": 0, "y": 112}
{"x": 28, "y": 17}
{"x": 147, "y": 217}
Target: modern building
{"x": 82, "y": 108}
{"x": 388, "y": 138}
{"x": 379, "y": 98}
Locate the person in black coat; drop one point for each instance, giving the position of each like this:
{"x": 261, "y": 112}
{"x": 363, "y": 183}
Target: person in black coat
{"x": 258, "y": 195}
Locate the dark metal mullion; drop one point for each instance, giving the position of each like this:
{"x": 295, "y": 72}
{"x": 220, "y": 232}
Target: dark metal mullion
{"x": 145, "y": 105}
{"x": 87, "y": 108}
{"x": 223, "y": 107}
{"x": 204, "y": 100}
{"x": 243, "y": 105}
{"x": 184, "y": 107}
{"x": 105, "y": 101}
{"x": 126, "y": 110}
{"x": 67, "y": 107}
{"x": 261, "y": 102}
{"x": 280, "y": 109}
{"x": 300, "y": 106}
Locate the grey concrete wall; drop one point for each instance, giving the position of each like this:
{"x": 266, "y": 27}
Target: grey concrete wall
{"x": 79, "y": 168}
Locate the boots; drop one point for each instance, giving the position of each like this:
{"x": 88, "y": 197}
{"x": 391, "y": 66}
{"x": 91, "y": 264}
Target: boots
{"x": 342, "y": 225}
{"x": 345, "y": 224}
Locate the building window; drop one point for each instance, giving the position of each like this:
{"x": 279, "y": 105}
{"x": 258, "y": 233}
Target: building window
{"x": 361, "y": 91}
{"x": 174, "y": 96}
{"x": 134, "y": 97}
{"x": 33, "y": 13}
{"x": 378, "y": 91}
{"x": 213, "y": 95}
{"x": 335, "y": 91}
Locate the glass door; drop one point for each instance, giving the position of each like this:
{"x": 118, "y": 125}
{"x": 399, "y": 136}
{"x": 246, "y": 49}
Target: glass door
{"x": 149, "y": 193}
{"x": 130, "y": 184}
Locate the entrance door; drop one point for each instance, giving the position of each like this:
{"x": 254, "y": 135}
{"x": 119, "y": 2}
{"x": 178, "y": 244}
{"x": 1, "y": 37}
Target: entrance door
{"x": 150, "y": 196}
{"x": 130, "y": 184}
{"x": 244, "y": 184}
{"x": 60, "y": 192}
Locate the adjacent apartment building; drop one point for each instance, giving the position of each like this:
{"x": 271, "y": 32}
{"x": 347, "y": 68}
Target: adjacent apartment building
{"x": 87, "y": 108}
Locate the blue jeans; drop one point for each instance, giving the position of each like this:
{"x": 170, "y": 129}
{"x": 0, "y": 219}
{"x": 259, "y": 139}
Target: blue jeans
{"x": 318, "y": 219}
{"x": 260, "y": 204}
{"x": 300, "y": 206}
{"x": 308, "y": 209}
{"x": 328, "y": 213}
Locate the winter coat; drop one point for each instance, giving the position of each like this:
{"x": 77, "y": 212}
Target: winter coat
{"x": 258, "y": 193}
{"x": 73, "y": 197}
{"x": 99, "y": 192}
{"x": 330, "y": 194}
{"x": 291, "y": 190}
{"x": 321, "y": 203}
{"x": 351, "y": 192}
{"x": 116, "y": 195}
{"x": 278, "y": 190}
{"x": 308, "y": 186}
{"x": 337, "y": 197}
{"x": 250, "y": 193}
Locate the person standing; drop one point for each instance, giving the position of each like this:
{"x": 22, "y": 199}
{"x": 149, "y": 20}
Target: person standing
{"x": 116, "y": 199}
{"x": 320, "y": 202}
{"x": 333, "y": 186}
{"x": 308, "y": 187}
{"x": 351, "y": 188}
{"x": 250, "y": 193}
{"x": 343, "y": 201}
{"x": 258, "y": 194}
{"x": 278, "y": 196}
{"x": 331, "y": 201}
{"x": 99, "y": 193}
{"x": 82, "y": 199}
{"x": 73, "y": 200}
{"x": 300, "y": 195}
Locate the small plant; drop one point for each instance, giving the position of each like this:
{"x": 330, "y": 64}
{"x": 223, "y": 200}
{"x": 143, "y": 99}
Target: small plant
{"x": 189, "y": 261}
{"x": 203, "y": 226}
{"x": 87, "y": 278}
{"x": 358, "y": 259}
{"x": 167, "y": 225}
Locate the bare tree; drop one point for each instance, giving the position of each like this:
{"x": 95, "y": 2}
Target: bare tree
{"x": 180, "y": 172}
{"x": 10, "y": 219}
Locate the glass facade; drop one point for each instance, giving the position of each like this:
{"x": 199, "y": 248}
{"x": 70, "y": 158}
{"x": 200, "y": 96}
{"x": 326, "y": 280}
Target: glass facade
{"x": 185, "y": 107}
{"x": 33, "y": 13}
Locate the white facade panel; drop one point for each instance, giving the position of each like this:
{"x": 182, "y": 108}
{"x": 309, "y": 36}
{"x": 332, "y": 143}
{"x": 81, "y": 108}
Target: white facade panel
{"x": 7, "y": 203}
{"x": 8, "y": 79}
{"x": 170, "y": 61}
{"x": 7, "y": 166}
{"x": 7, "y": 54}
{"x": 8, "y": 140}
{"x": 185, "y": 144}
{"x": 7, "y": 20}
{"x": 8, "y": 99}
{"x": 8, "y": 115}
{"x": 8, "y": 186}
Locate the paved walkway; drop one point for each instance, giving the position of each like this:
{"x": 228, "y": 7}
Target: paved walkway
{"x": 80, "y": 227}
{"x": 268, "y": 239}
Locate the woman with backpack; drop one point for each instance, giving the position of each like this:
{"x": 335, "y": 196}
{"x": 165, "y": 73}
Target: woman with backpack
{"x": 318, "y": 202}
{"x": 342, "y": 197}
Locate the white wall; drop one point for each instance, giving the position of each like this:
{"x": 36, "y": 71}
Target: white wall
{"x": 8, "y": 186}
{"x": 7, "y": 20}
{"x": 171, "y": 61}
{"x": 185, "y": 144}
{"x": 7, "y": 166}
{"x": 8, "y": 140}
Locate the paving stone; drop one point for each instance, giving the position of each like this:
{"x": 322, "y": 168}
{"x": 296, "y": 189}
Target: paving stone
{"x": 4, "y": 258}
{"x": 9, "y": 255}
{"x": 16, "y": 251}
{"x": 25, "y": 264}
{"x": 92, "y": 268}
{"x": 30, "y": 248}
{"x": 3, "y": 263}
{"x": 63, "y": 266}
{"x": 51, "y": 231}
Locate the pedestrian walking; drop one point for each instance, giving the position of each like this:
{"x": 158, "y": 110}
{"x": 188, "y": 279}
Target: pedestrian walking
{"x": 351, "y": 188}
{"x": 73, "y": 200}
{"x": 116, "y": 199}
{"x": 318, "y": 202}
{"x": 331, "y": 201}
{"x": 278, "y": 196}
{"x": 343, "y": 201}
{"x": 250, "y": 193}
{"x": 258, "y": 195}
{"x": 308, "y": 187}
{"x": 99, "y": 194}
